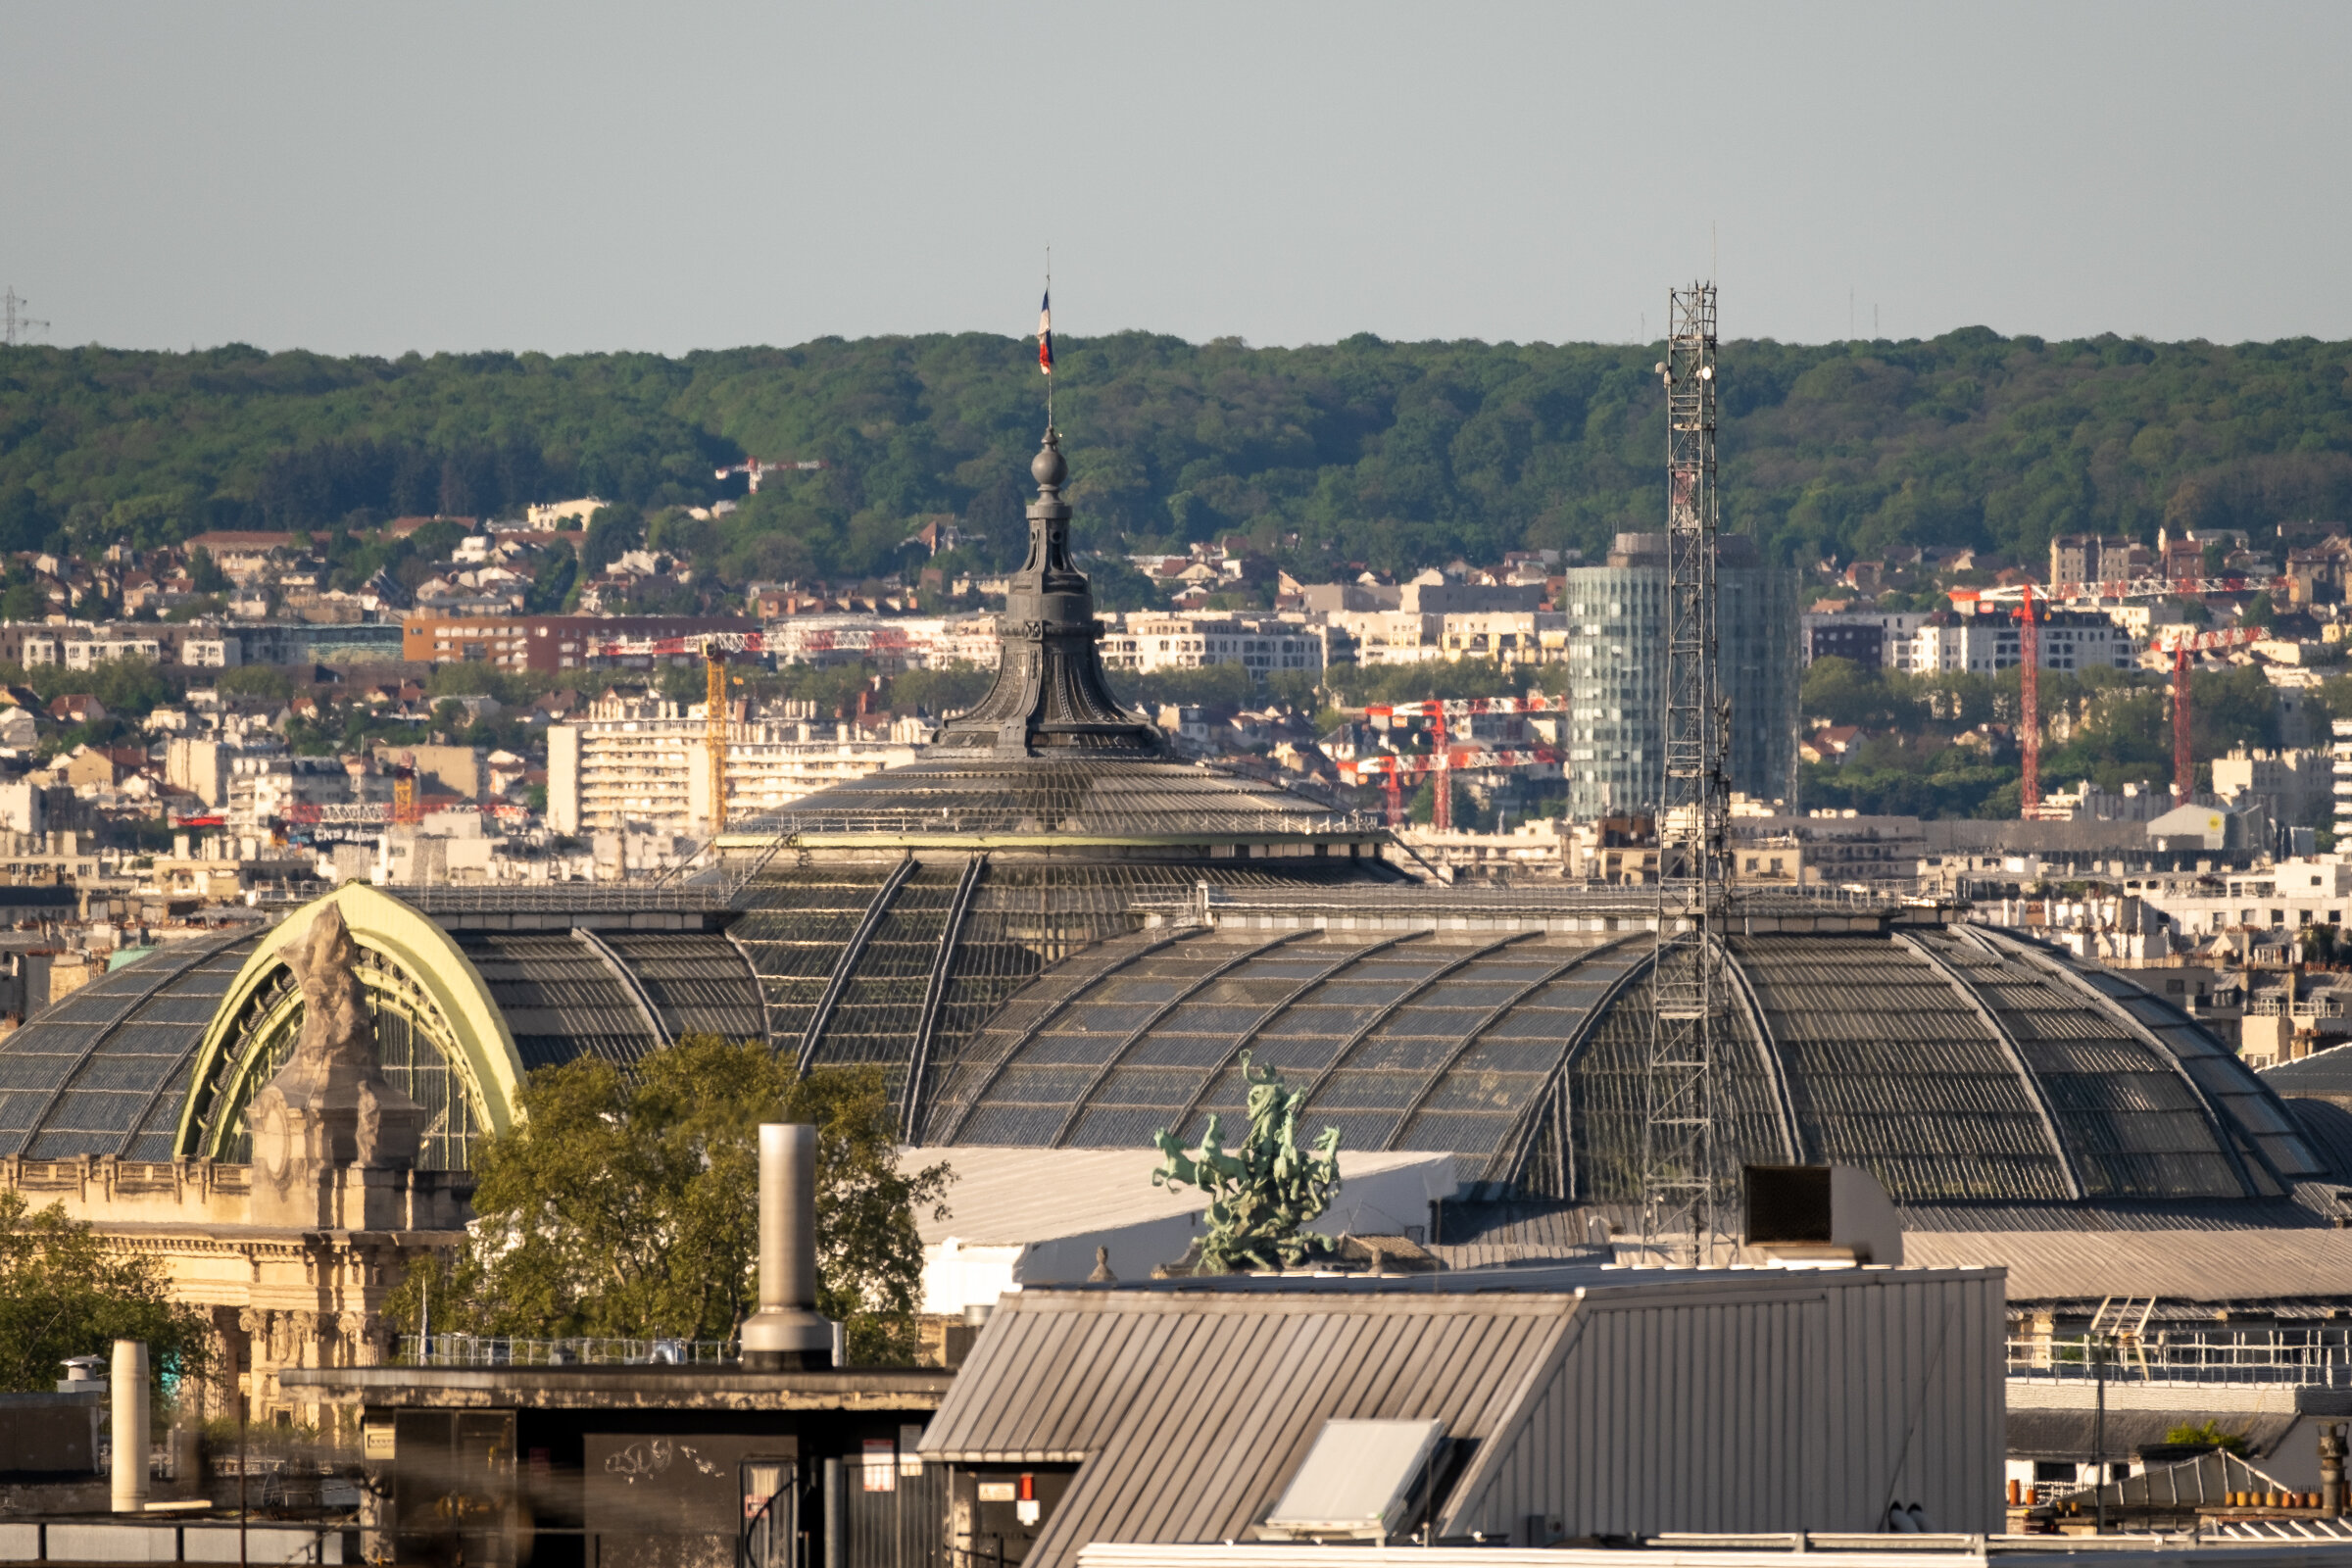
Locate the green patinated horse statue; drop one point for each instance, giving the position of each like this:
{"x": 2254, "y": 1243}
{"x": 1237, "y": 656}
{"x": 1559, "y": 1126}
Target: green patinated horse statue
{"x": 1264, "y": 1193}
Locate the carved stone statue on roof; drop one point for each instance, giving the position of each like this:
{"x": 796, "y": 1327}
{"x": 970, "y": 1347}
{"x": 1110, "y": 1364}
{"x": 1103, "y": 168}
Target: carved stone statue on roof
{"x": 330, "y": 1110}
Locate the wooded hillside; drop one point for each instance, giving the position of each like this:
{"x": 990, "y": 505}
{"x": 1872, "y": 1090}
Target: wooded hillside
{"x": 1394, "y": 454}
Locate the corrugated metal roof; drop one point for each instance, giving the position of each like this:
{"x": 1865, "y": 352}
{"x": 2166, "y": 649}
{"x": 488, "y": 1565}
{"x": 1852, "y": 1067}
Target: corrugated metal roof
{"x": 2234, "y": 1266}
{"x": 1148, "y": 1384}
{"x": 1623, "y": 1400}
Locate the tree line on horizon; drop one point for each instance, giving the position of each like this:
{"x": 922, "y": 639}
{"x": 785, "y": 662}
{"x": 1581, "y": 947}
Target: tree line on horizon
{"x": 1393, "y": 455}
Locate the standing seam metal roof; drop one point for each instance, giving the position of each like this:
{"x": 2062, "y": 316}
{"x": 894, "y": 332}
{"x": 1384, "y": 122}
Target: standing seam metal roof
{"x": 1138, "y": 1375}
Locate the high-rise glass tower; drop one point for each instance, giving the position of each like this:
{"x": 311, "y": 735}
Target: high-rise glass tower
{"x": 1612, "y": 754}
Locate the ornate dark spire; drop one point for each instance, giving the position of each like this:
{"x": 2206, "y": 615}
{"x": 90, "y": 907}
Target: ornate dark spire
{"x": 1050, "y": 697}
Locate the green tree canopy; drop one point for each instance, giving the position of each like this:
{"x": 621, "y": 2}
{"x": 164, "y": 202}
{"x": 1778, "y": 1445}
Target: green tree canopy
{"x": 63, "y": 1293}
{"x": 1395, "y": 455}
{"x": 625, "y": 1204}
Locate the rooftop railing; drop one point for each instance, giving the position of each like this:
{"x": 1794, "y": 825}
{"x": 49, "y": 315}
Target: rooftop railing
{"x": 2314, "y": 1358}
{"x": 473, "y": 1349}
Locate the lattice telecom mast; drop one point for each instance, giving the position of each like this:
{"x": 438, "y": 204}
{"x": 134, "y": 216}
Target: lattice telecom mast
{"x": 12, "y": 319}
{"x": 1681, "y": 1186}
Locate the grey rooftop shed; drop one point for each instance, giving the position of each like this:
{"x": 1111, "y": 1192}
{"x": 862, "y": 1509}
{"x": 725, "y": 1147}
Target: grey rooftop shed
{"x": 1594, "y": 1401}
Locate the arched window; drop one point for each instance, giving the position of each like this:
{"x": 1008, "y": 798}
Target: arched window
{"x": 413, "y": 1043}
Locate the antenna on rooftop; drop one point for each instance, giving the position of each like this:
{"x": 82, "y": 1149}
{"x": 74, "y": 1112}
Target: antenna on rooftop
{"x": 12, "y": 319}
{"x": 1682, "y": 1187}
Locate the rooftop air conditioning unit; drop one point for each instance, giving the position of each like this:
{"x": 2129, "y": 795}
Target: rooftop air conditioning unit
{"x": 1822, "y": 1214}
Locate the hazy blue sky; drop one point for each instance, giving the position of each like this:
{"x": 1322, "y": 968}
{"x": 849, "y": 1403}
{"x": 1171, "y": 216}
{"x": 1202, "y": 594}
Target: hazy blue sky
{"x": 376, "y": 178}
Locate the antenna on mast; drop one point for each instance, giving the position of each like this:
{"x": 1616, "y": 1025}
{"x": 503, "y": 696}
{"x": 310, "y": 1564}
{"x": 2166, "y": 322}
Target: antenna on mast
{"x": 12, "y": 319}
{"x": 1682, "y": 1187}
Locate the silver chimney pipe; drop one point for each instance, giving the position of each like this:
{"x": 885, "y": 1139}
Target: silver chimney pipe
{"x": 786, "y": 1334}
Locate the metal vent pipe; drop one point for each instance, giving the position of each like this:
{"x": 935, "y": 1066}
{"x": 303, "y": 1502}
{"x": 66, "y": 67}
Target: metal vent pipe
{"x": 786, "y": 1334}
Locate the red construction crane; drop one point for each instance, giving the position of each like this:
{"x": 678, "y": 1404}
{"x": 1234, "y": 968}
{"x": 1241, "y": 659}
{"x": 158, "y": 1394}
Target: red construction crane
{"x": 714, "y": 646}
{"x": 2129, "y": 588}
{"x": 2181, "y": 645}
{"x": 1393, "y": 769}
{"x": 754, "y": 468}
{"x": 1444, "y": 760}
{"x": 1458, "y": 706}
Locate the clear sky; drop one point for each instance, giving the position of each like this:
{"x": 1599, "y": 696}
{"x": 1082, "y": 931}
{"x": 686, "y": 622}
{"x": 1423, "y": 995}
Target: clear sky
{"x": 374, "y": 178}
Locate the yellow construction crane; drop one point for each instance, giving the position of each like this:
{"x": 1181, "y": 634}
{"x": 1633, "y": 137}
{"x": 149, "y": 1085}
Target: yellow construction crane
{"x": 714, "y": 646}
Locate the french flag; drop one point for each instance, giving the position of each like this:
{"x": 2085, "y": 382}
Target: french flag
{"x": 1044, "y": 334}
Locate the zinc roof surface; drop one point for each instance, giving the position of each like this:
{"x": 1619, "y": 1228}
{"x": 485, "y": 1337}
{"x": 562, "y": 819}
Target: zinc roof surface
{"x": 2180, "y": 1265}
{"x": 2323, "y": 1072}
{"x": 1137, "y": 1375}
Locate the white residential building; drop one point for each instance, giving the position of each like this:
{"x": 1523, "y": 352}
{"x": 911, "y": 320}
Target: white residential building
{"x": 643, "y": 765}
{"x": 1261, "y": 645}
{"x": 2295, "y": 787}
{"x": 2343, "y": 779}
{"x": 1507, "y": 636}
{"x": 890, "y": 642}
{"x": 2071, "y": 640}
{"x": 551, "y": 514}
{"x": 1393, "y": 636}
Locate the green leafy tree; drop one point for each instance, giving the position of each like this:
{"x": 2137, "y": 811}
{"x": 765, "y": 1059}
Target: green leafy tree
{"x": 2206, "y": 1435}
{"x": 64, "y": 1293}
{"x": 625, "y": 1204}
{"x": 553, "y": 585}
{"x": 204, "y": 573}
{"x": 613, "y": 532}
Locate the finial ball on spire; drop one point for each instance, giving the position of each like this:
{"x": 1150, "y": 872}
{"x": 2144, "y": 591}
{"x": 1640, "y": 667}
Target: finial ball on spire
{"x": 1048, "y": 468}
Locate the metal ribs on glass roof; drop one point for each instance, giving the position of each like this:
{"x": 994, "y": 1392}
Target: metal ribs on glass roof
{"x": 935, "y": 993}
{"x": 1417, "y": 1040}
{"x": 847, "y": 964}
{"x": 1346, "y": 955}
{"x": 88, "y": 1073}
{"x": 1956, "y": 1071}
{"x": 1119, "y": 1051}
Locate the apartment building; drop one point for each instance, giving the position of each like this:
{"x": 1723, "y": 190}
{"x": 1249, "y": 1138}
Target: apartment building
{"x": 642, "y": 763}
{"x": 1991, "y": 641}
{"x": 542, "y": 643}
{"x": 1874, "y": 639}
{"x": 80, "y": 645}
{"x": 2296, "y": 787}
{"x": 261, "y": 788}
{"x": 888, "y": 642}
{"x": 1261, "y": 645}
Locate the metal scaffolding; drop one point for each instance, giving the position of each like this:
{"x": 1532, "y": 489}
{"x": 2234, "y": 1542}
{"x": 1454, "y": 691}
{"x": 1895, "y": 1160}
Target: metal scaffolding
{"x": 1682, "y": 1190}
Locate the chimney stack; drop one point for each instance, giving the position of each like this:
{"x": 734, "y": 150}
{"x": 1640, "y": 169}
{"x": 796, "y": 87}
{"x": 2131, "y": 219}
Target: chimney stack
{"x": 129, "y": 1391}
{"x": 786, "y": 1334}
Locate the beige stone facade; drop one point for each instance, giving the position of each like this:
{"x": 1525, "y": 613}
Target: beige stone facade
{"x": 277, "y": 1297}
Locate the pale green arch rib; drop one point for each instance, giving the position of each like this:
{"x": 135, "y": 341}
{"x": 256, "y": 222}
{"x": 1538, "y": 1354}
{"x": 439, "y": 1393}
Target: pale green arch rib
{"x": 425, "y": 954}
